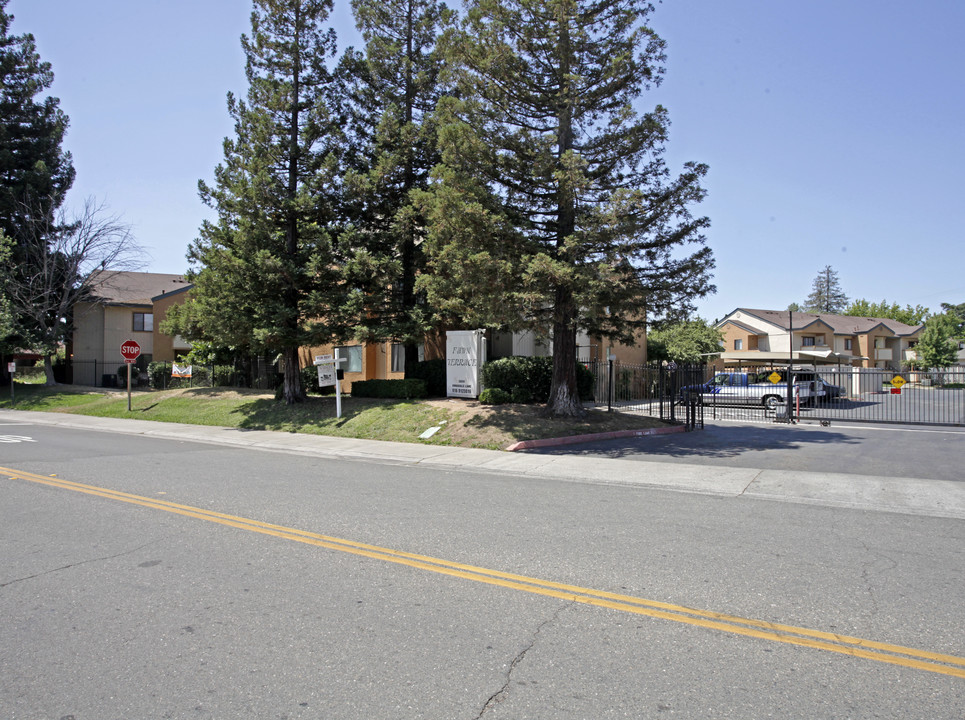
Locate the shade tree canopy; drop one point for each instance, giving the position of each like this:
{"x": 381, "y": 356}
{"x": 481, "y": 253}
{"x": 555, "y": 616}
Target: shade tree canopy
{"x": 908, "y": 314}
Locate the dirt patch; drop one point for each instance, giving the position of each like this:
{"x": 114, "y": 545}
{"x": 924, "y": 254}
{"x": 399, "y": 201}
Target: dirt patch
{"x": 474, "y": 424}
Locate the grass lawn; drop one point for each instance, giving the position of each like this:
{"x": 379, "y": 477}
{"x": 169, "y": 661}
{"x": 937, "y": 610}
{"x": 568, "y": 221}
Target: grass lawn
{"x": 462, "y": 422}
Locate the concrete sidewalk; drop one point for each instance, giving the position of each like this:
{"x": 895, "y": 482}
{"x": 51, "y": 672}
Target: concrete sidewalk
{"x": 914, "y": 496}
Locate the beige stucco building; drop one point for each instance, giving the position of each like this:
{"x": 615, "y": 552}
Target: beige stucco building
{"x": 766, "y": 336}
{"x": 122, "y": 308}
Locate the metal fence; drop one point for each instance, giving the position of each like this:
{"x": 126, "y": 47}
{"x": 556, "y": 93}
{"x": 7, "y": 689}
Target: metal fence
{"x": 650, "y": 390}
{"x": 828, "y": 394}
{"x": 248, "y": 372}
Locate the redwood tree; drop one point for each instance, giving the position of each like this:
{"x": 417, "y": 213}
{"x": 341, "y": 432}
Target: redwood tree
{"x": 554, "y": 209}
{"x": 267, "y": 272}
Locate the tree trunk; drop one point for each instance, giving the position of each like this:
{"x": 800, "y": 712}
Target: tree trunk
{"x": 49, "y": 371}
{"x": 564, "y": 399}
{"x": 293, "y": 390}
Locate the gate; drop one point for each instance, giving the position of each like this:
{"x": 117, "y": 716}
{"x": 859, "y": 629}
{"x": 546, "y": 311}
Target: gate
{"x": 828, "y": 394}
{"x": 884, "y": 396}
{"x": 649, "y": 390}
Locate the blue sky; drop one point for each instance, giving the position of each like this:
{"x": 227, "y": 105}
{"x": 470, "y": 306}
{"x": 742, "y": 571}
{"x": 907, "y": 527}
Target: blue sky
{"x": 833, "y": 130}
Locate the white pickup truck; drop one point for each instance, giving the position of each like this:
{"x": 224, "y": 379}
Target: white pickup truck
{"x": 766, "y": 388}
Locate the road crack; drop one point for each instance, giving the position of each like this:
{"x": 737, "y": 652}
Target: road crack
{"x": 498, "y": 696}
{"x": 76, "y": 564}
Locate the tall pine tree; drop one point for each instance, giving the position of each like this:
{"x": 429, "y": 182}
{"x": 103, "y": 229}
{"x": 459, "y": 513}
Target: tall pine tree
{"x": 826, "y": 294}
{"x": 35, "y": 171}
{"x": 554, "y": 208}
{"x": 268, "y": 273}
{"x": 394, "y": 89}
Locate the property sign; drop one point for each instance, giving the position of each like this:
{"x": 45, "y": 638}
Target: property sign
{"x": 181, "y": 371}
{"x": 465, "y": 354}
{"x": 11, "y": 367}
{"x": 130, "y": 350}
{"x": 326, "y": 370}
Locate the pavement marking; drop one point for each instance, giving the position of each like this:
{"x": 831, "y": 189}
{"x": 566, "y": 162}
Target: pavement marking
{"x": 15, "y": 439}
{"x": 761, "y": 629}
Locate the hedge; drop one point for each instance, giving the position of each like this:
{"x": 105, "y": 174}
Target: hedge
{"x": 528, "y": 379}
{"x": 494, "y": 396}
{"x": 405, "y": 389}
{"x": 433, "y": 372}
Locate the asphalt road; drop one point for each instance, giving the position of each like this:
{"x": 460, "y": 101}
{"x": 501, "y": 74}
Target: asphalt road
{"x": 860, "y": 449}
{"x": 150, "y": 578}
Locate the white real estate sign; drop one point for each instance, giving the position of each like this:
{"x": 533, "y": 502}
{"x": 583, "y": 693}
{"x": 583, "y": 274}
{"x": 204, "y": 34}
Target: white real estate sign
{"x": 326, "y": 370}
{"x": 465, "y": 355}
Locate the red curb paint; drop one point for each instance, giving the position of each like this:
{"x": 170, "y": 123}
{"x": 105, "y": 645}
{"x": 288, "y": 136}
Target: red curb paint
{"x": 574, "y": 439}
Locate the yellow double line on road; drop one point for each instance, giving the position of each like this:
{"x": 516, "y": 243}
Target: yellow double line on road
{"x": 789, "y": 634}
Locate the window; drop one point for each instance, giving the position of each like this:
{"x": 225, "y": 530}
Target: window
{"x": 144, "y": 322}
{"x": 354, "y": 355}
{"x": 807, "y": 341}
{"x": 847, "y": 343}
{"x": 738, "y": 344}
{"x": 398, "y": 357}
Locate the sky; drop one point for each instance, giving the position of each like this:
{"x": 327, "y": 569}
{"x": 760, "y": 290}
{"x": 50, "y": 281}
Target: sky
{"x": 833, "y": 130}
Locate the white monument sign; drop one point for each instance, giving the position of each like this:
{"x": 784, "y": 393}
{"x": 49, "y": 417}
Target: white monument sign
{"x": 465, "y": 355}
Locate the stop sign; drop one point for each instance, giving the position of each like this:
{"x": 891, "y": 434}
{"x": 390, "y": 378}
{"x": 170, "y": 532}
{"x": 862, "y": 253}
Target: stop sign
{"x": 130, "y": 350}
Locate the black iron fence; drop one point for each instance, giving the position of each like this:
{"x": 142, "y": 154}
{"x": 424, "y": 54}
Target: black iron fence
{"x": 823, "y": 394}
{"x": 650, "y": 390}
{"x": 246, "y": 372}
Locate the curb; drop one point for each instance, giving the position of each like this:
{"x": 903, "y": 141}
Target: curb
{"x": 592, "y": 437}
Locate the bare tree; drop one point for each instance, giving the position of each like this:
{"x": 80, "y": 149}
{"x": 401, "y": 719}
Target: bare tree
{"x": 58, "y": 260}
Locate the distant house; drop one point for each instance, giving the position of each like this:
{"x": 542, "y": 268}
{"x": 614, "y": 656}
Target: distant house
{"x": 767, "y": 336}
{"x": 122, "y": 308}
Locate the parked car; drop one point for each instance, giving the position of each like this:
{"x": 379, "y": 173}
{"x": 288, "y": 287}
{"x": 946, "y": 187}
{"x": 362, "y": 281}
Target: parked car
{"x": 768, "y": 388}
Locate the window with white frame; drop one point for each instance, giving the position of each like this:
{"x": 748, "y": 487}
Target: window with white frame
{"x": 807, "y": 341}
{"x": 847, "y": 343}
{"x": 738, "y": 344}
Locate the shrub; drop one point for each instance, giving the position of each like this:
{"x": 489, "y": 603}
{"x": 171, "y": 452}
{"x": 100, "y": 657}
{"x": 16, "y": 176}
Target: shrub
{"x": 532, "y": 375}
{"x": 522, "y": 395}
{"x": 403, "y": 389}
{"x": 433, "y": 372}
{"x": 310, "y": 381}
{"x": 122, "y": 374}
{"x": 494, "y": 396}
{"x": 158, "y": 375}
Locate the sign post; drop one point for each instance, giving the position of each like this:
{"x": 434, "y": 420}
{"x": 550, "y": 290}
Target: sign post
{"x": 897, "y": 382}
{"x": 129, "y": 351}
{"x": 12, "y": 369}
{"x": 328, "y": 376}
